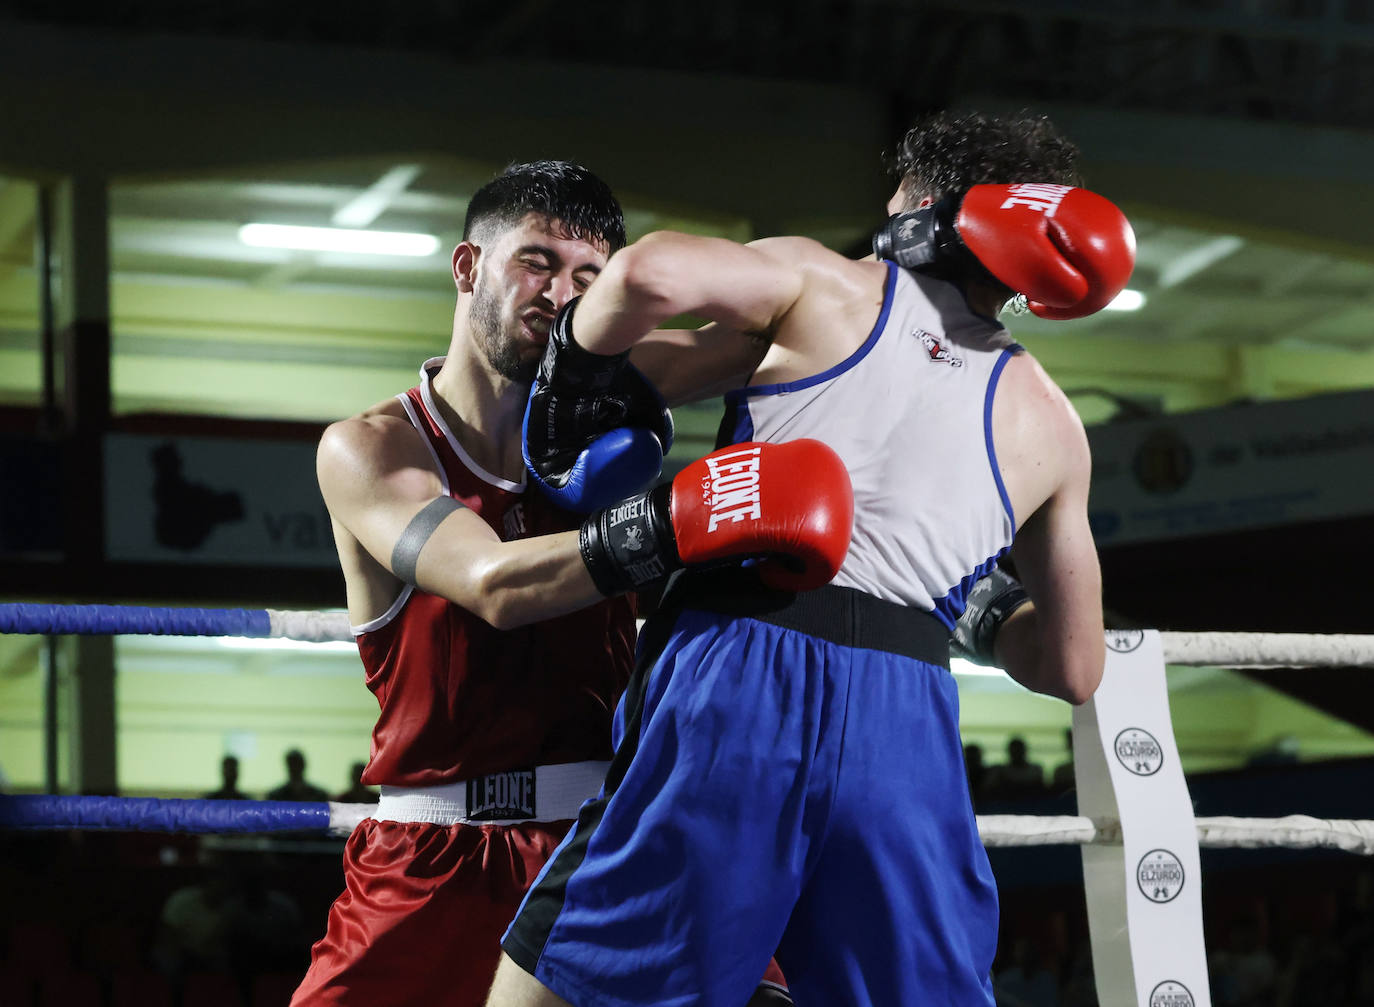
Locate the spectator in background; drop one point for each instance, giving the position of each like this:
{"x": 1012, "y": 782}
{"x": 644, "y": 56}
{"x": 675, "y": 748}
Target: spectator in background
{"x": 1025, "y": 981}
{"x": 1315, "y": 975}
{"x": 1080, "y": 987}
{"x": 1244, "y": 972}
{"x": 975, "y": 771}
{"x": 356, "y": 792}
{"x": 229, "y": 785}
{"x": 1018, "y": 779}
{"x": 267, "y": 930}
{"x": 231, "y": 920}
{"x": 1063, "y": 781}
{"x": 195, "y": 922}
{"x": 296, "y": 787}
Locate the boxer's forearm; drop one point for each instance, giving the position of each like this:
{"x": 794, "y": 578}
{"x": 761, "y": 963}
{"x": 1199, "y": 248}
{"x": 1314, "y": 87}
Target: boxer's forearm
{"x": 511, "y": 584}
{"x": 1048, "y": 662}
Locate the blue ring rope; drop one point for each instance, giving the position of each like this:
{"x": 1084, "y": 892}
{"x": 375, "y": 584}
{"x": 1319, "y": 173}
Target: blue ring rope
{"x": 152, "y": 814}
{"x": 51, "y": 811}
{"x": 34, "y": 618}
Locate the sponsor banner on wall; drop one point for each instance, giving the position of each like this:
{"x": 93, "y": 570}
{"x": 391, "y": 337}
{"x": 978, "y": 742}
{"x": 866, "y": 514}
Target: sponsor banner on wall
{"x": 1233, "y": 468}
{"x": 214, "y": 500}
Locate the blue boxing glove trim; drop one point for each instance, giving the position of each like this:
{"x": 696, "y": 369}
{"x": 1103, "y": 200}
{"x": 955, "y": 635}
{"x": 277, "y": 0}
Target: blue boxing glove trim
{"x": 595, "y": 429}
{"x": 616, "y": 465}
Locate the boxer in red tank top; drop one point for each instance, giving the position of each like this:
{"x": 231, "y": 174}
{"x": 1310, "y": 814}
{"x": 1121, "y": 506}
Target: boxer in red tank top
{"x": 495, "y": 661}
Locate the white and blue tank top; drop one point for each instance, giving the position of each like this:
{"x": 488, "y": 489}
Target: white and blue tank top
{"x": 910, "y": 414}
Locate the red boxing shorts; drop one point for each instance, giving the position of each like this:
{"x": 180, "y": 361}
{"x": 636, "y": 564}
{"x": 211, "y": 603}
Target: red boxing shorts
{"x": 430, "y": 887}
{"x": 422, "y": 913}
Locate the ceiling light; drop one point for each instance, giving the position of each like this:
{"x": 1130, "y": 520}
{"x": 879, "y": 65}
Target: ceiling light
{"x": 1127, "y": 300}
{"x": 338, "y": 239}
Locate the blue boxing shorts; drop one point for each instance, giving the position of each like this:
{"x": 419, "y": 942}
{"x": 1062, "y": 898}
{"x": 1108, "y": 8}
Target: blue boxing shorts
{"x": 788, "y": 778}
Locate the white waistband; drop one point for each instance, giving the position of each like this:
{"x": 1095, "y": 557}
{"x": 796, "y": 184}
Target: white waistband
{"x": 542, "y": 794}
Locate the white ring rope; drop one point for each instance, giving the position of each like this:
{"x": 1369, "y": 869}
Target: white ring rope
{"x": 1268, "y": 650}
{"x": 312, "y": 627}
{"x": 344, "y": 818}
{"x": 1291, "y": 831}
{"x": 1218, "y": 650}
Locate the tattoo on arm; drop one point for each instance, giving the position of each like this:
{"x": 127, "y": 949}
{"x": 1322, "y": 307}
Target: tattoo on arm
{"x": 417, "y": 533}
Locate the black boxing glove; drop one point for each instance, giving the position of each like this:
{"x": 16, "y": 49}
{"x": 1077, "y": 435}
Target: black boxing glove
{"x": 927, "y": 240}
{"x": 991, "y": 602}
{"x": 595, "y": 428}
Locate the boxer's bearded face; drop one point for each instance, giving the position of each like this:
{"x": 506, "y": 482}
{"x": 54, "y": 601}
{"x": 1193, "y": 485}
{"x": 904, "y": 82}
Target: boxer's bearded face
{"x": 495, "y": 336}
{"x": 523, "y": 278}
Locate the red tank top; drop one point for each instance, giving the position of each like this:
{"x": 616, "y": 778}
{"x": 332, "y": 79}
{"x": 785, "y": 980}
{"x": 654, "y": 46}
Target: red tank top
{"x": 460, "y": 699}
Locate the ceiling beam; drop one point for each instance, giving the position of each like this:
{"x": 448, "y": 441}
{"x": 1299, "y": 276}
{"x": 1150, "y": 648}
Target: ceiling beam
{"x": 1184, "y": 267}
{"x": 372, "y": 202}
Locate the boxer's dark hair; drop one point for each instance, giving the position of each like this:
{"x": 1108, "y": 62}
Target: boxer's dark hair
{"x": 944, "y": 153}
{"x": 558, "y": 190}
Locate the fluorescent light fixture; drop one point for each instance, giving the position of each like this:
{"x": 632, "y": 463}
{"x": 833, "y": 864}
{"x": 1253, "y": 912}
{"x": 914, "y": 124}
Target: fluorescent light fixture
{"x": 338, "y": 239}
{"x": 279, "y": 643}
{"x": 1127, "y": 300}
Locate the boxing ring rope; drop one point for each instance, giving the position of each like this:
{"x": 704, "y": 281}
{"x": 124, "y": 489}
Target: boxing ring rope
{"x": 1230, "y": 650}
{"x": 52, "y": 812}
{"x": 168, "y": 814}
{"x": 1139, "y": 837}
{"x": 102, "y": 620}
{"x": 1221, "y": 650}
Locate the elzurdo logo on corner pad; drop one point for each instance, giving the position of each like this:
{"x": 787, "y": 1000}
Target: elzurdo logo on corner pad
{"x": 1160, "y": 876}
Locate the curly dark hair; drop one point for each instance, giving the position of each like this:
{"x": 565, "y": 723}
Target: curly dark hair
{"x": 559, "y": 190}
{"x": 944, "y": 153}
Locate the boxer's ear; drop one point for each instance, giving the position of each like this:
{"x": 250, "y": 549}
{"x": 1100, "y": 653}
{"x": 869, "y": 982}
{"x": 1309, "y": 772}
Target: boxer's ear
{"x": 465, "y": 258}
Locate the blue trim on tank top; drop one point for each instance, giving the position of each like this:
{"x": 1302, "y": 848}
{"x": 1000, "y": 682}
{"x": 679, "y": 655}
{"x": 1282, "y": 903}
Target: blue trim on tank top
{"x": 744, "y": 424}
{"x": 739, "y": 397}
{"x": 889, "y": 285}
{"x": 952, "y": 605}
{"x": 1007, "y": 354}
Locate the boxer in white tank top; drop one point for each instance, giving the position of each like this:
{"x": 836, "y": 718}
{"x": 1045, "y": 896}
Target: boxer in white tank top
{"x": 929, "y": 365}
{"x": 960, "y": 449}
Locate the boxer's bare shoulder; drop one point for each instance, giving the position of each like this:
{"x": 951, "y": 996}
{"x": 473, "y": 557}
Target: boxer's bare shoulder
{"x": 840, "y": 301}
{"x": 373, "y": 469}
{"x": 379, "y": 443}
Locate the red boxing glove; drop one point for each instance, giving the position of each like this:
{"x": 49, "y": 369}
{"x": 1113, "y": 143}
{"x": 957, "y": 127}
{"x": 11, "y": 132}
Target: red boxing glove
{"x": 1069, "y": 251}
{"x": 791, "y": 504}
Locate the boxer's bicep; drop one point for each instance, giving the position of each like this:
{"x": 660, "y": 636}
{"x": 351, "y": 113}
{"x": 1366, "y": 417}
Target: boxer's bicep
{"x": 1056, "y": 561}
{"x": 380, "y": 483}
{"x": 383, "y": 487}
